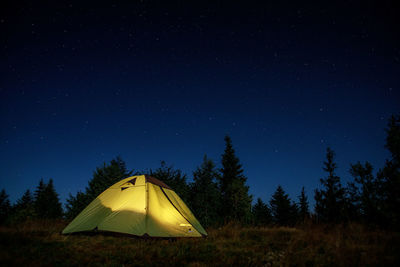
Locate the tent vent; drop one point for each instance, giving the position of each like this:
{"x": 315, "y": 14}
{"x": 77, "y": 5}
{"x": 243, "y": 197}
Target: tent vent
{"x": 128, "y": 184}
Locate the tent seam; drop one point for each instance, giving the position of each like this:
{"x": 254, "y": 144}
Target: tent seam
{"x": 180, "y": 212}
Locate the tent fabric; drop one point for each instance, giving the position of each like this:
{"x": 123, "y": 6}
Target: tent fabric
{"x": 138, "y": 205}
{"x": 184, "y": 210}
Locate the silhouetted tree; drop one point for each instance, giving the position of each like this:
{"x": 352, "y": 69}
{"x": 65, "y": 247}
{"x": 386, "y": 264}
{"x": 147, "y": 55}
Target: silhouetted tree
{"x": 389, "y": 175}
{"x": 75, "y": 204}
{"x": 364, "y": 193}
{"x": 330, "y": 200}
{"x": 284, "y": 212}
{"x": 26, "y": 201}
{"x": 5, "y": 206}
{"x": 103, "y": 177}
{"x": 261, "y": 213}
{"x": 54, "y": 208}
{"x": 47, "y": 203}
{"x": 173, "y": 178}
{"x": 236, "y": 201}
{"x": 24, "y": 208}
{"x": 352, "y": 201}
{"x": 304, "y": 212}
{"x": 40, "y": 201}
{"x": 204, "y": 193}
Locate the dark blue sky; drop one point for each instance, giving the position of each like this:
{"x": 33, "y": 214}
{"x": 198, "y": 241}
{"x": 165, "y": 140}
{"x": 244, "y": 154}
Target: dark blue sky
{"x": 82, "y": 84}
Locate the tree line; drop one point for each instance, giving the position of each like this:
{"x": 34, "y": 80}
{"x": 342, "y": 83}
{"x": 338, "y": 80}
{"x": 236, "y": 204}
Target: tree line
{"x": 218, "y": 196}
{"x": 42, "y": 203}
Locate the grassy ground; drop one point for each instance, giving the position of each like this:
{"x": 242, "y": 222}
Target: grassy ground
{"x": 39, "y": 243}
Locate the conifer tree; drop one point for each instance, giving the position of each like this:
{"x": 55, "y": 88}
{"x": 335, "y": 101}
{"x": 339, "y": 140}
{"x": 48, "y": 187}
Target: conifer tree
{"x": 284, "y": 212}
{"x": 173, "y": 178}
{"x": 24, "y": 208}
{"x": 103, "y": 177}
{"x": 204, "y": 193}
{"x": 54, "y": 208}
{"x": 330, "y": 200}
{"x": 389, "y": 176}
{"x": 75, "y": 204}
{"x": 364, "y": 192}
{"x": 304, "y": 212}
{"x": 5, "y": 206}
{"x": 261, "y": 213}
{"x": 352, "y": 203}
{"x": 47, "y": 203}
{"x": 236, "y": 201}
{"x": 26, "y": 200}
{"x": 40, "y": 201}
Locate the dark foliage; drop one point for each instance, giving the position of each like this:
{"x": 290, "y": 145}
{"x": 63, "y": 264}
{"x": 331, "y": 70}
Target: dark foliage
{"x": 389, "y": 175}
{"x": 364, "y": 194}
{"x": 24, "y": 209}
{"x": 303, "y": 209}
{"x": 261, "y": 213}
{"x": 5, "y": 206}
{"x": 40, "y": 202}
{"x": 284, "y": 212}
{"x": 103, "y": 177}
{"x": 330, "y": 200}
{"x": 46, "y": 201}
{"x": 173, "y": 178}
{"x": 236, "y": 201}
{"x": 75, "y": 204}
{"x": 204, "y": 194}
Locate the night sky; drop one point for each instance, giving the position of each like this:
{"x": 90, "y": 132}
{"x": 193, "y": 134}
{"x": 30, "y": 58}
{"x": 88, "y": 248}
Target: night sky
{"x": 81, "y": 85}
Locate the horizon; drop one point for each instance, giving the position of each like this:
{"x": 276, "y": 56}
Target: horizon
{"x": 293, "y": 195}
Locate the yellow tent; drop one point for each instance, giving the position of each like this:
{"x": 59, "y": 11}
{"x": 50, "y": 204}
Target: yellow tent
{"x": 138, "y": 205}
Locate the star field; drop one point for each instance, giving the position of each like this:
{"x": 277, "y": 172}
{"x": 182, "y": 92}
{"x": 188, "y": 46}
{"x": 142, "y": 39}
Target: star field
{"x": 81, "y": 84}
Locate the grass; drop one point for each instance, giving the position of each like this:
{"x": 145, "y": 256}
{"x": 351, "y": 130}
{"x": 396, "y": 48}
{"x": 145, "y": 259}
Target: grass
{"x": 39, "y": 243}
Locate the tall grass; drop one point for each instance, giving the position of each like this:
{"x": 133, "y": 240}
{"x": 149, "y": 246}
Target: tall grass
{"x": 37, "y": 243}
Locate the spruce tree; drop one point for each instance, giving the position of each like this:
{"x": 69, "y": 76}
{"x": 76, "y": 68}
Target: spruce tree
{"x": 364, "y": 192}
{"x": 40, "y": 201}
{"x": 24, "y": 208}
{"x": 261, "y": 213}
{"x": 5, "y": 206}
{"x": 103, "y": 177}
{"x": 204, "y": 193}
{"x": 173, "y": 178}
{"x": 304, "y": 212}
{"x": 75, "y": 204}
{"x": 352, "y": 203}
{"x": 47, "y": 204}
{"x": 284, "y": 212}
{"x": 26, "y": 200}
{"x": 54, "y": 208}
{"x": 389, "y": 176}
{"x": 330, "y": 200}
{"x": 236, "y": 201}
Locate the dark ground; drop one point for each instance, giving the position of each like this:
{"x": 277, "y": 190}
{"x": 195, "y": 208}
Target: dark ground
{"x": 40, "y": 243}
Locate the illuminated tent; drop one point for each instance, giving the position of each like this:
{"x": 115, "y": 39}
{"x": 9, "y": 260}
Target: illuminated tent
{"x": 138, "y": 205}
